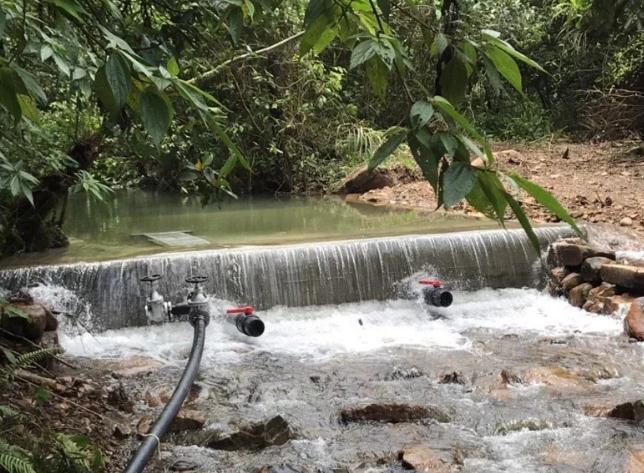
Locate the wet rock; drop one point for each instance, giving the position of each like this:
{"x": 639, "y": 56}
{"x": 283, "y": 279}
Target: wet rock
{"x": 579, "y": 294}
{"x": 591, "y": 266}
{"x": 134, "y": 366}
{"x": 186, "y": 420}
{"x": 275, "y": 431}
{"x": 571, "y": 281}
{"x": 634, "y": 321}
{"x": 121, "y": 431}
{"x": 453, "y": 378}
{"x": 185, "y": 465}
{"x": 401, "y": 373}
{"x": 391, "y": 413}
{"x": 624, "y": 275}
{"x": 617, "y": 303}
{"x": 28, "y": 320}
{"x": 558, "y": 274}
{"x": 117, "y": 397}
{"x": 517, "y": 425}
{"x": 424, "y": 459}
{"x": 629, "y": 411}
{"x": 276, "y": 469}
{"x": 597, "y": 410}
{"x": 571, "y": 254}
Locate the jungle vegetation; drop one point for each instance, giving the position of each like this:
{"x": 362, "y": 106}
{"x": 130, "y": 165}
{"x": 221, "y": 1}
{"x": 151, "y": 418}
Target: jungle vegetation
{"x": 213, "y": 97}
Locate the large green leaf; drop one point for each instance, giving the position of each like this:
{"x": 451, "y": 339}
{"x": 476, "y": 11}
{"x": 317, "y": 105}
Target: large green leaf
{"x": 506, "y": 66}
{"x": 31, "y": 84}
{"x": 363, "y": 52}
{"x": 495, "y": 193}
{"x": 104, "y": 92}
{"x": 420, "y": 114}
{"x": 387, "y": 148}
{"x": 69, "y": 7}
{"x": 156, "y": 113}
{"x": 427, "y": 157}
{"x": 523, "y": 220}
{"x": 378, "y": 75}
{"x": 458, "y": 181}
{"x": 546, "y": 199}
{"x": 117, "y": 73}
{"x": 10, "y": 87}
{"x": 493, "y": 38}
{"x": 448, "y": 109}
{"x": 454, "y": 80}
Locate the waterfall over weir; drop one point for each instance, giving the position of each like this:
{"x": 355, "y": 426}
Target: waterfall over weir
{"x": 298, "y": 275}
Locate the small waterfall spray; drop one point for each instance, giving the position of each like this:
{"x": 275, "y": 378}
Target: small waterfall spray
{"x": 298, "y": 275}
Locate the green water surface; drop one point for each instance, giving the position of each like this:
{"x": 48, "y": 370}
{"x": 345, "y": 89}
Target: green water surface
{"x": 112, "y": 230}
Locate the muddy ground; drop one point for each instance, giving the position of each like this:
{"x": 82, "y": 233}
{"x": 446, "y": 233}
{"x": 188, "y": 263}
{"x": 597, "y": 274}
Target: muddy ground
{"x": 596, "y": 182}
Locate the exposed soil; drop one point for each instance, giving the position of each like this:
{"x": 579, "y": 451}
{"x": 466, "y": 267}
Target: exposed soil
{"x": 596, "y": 182}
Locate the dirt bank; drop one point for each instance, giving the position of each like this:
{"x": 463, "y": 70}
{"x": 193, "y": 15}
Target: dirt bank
{"x": 597, "y": 182}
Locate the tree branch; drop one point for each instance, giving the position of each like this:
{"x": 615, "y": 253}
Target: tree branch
{"x": 213, "y": 72}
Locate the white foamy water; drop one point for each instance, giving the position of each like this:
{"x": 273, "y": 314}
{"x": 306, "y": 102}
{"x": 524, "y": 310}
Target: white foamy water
{"x": 324, "y": 331}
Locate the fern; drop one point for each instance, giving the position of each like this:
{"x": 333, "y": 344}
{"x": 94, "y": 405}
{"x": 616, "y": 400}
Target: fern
{"x": 27, "y": 359}
{"x": 14, "y": 459}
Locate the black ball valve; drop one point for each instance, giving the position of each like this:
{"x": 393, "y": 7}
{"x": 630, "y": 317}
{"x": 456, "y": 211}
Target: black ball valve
{"x": 435, "y": 294}
{"x": 245, "y": 320}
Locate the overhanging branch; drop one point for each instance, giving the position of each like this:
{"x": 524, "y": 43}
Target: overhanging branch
{"x": 213, "y": 72}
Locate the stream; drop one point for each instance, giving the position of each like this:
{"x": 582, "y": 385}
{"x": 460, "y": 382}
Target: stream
{"x": 511, "y": 377}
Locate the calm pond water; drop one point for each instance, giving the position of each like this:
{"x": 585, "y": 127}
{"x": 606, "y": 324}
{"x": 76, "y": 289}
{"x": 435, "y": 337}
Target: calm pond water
{"x": 112, "y": 230}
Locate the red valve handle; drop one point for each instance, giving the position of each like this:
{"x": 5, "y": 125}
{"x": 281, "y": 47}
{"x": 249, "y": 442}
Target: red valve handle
{"x": 246, "y": 310}
{"x": 431, "y": 282}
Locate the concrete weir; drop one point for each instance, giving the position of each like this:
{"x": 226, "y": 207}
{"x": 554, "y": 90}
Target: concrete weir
{"x": 298, "y": 275}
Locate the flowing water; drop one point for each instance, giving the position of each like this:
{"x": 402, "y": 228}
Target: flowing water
{"x": 346, "y": 328}
{"x": 314, "y": 361}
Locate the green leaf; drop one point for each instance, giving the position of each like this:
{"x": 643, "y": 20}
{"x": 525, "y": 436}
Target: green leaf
{"x": 458, "y": 181}
{"x": 315, "y": 9}
{"x": 363, "y": 52}
{"x": 506, "y": 66}
{"x": 117, "y": 73}
{"x": 216, "y": 128}
{"x": 493, "y": 76}
{"x": 523, "y": 220}
{"x": 546, "y": 199}
{"x": 427, "y": 157}
{"x": 493, "y": 38}
{"x": 494, "y": 193}
{"x": 454, "y": 80}
{"x": 420, "y": 114}
{"x": 156, "y": 113}
{"x": 450, "y": 143}
{"x": 448, "y": 109}
{"x": 28, "y": 108}
{"x": 387, "y": 148}
{"x": 104, "y": 92}
{"x": 173, "y": 67}
{"x": 69, "y": 7}
{"x": 3, "y": 22}
{"x": 378, "y": 75}
{"x": 9, "y": 88}
{"x": 439, "y": 45}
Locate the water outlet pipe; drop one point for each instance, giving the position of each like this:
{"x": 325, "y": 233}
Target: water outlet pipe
{"x": 245, "y": 320}
{"x": 435, "y": 294}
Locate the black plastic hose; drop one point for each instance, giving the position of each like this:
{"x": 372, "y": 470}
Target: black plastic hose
{"x": 160, "y": 427}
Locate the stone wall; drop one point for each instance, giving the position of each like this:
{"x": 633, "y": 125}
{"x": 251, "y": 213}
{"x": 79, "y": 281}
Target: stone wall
{"x": 595, "y": 280}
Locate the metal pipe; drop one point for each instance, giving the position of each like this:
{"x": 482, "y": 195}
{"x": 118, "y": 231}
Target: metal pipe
{"x": 199, "y": 321}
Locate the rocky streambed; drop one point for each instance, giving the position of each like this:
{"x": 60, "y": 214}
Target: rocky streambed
{"x": 503, "y": 381}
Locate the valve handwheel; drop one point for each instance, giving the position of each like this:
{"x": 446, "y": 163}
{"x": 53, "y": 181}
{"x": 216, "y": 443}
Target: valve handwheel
{"x": 196, "y": 279}
{"x": 151, "y": 278}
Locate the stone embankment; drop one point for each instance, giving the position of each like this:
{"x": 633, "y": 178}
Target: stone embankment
{"x": 598, "y": 281}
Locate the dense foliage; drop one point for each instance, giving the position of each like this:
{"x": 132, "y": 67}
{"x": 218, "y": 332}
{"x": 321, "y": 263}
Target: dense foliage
{"x": 275, "y": 96}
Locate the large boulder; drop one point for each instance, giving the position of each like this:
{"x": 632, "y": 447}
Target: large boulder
{"x": 423, "y": 459}
{"x": 391, "y": 413}
{"x": 29, "y": 320}
{"x": 634, "y": 321}
{"x": 633, "y": 411}
{"x": 275, "y": 431}
{"x": 591, "y": 267}
{"x": 624, "y": 275}
{"x": 571, "y": 281}
{"x": 361, "y": 180}
{"x": 571, "y": 254}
